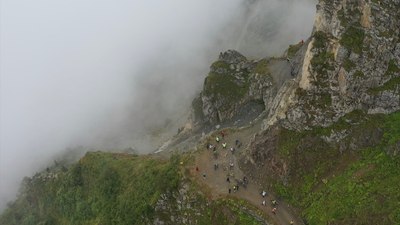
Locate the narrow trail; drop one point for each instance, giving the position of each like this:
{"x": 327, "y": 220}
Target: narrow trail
{"x": 216, "y": 179}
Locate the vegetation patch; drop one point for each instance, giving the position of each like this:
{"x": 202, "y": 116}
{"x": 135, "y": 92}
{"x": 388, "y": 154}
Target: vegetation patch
{"x": 232, "y": 211}
{"x": 365, "y": 193}
{"x": 293, "y": 49}
{"x": 342, "y": 17}
{"x": 391, "y": 85}
{"x": 344, "y": 188}
{"x": 353, "y": 39}
{"x": 224, "y": 85}
{"x": 102, "y": 188}
{"x": 392, "y": 68}
{"x": 262, "y": 67}
{"x": 320, "y": 40}
{"x": 197, "y": 106}
{"x": 220, "y": 64}
{"x": 358, "y": 74}
{"x": 348, "y": 65}
{"x": 322, "y": 63}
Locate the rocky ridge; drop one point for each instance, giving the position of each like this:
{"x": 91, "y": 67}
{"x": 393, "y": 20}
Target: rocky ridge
{"x": 351, "y": 62}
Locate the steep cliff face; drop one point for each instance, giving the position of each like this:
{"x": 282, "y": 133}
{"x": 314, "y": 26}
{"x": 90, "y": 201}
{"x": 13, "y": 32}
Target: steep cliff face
{"x": 338, "y": 118}
{"x": 351, "y": 62}
{"x": 350, "y": 66}
{"x": 233, "y": 86}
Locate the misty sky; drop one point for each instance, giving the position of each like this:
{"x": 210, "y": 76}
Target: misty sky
{"x": 102, "y": 73}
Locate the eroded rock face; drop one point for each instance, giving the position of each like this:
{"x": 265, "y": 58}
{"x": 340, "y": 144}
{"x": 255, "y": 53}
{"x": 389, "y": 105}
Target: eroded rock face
{"x": 352, "y": 62}
{"x": 232, "y": 84}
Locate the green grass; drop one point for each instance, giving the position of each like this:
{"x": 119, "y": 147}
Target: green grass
{"x": 224, "y": 85}
{"x": 107, "y": 188}
{"x": 232, "y": 211}
{"x": 220, "y": 64}
{"x": 365, "y": 193}
{"x": 102, "y": 188}
{"x": 262, "y": 67}
{"x": 288, "y": 141}
{"x": 359, "y": 187}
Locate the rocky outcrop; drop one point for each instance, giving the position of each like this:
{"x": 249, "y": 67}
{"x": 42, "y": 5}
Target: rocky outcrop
{"x": 352, "y": 62}
{"x": 349, "y": 66}
{"x": 232, "y": 85}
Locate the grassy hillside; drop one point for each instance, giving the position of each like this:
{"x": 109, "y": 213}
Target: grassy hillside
{"x": 109, "y": 188}
{"x": 352, "y": 186}
{"x": 102, "y": 188}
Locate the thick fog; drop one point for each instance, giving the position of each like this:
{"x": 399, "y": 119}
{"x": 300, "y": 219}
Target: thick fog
{"x": 113, "y": 74}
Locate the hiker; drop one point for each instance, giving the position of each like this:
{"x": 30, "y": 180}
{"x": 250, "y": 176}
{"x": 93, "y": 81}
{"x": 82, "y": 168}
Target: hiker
{"x": 227, "y": 180}
{"x": 237, "y": 142}
{"x": 291, "y": 222}
{"x": 264, "y": 193}
{"x": 274, "y": 211}
{"x": 215, "y": 153}
{"x": 231, "y": 165}
{"x": 237, "y": 187}
{"x": 274, "y": 202}
{"x": 215, "y": 166}
{"x": 222, "y": 134}
{"x": 245, "y": 180}
{"x": 263, "y": 203}
{"x": 224, "y": 145}
{"x": 217, "y": 139}
{"x": 229, "y": 190}
{"x": 204, "y": 175}
{"x": 197, "y": 168}
{"x": 234, "y": 188}
{"x": 232, "y": 150}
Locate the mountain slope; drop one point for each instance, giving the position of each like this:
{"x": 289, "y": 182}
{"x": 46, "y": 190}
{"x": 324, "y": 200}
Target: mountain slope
{"x": 325, "y": 137}
{"x": 112, "y": 188}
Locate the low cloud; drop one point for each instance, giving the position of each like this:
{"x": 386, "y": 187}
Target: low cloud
{"x": 102, "y": 74}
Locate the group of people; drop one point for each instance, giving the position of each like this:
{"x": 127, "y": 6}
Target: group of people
{"x": 220, "y": 140}
{"x": 241, "y": 182}
{"x": 274, "y": 205}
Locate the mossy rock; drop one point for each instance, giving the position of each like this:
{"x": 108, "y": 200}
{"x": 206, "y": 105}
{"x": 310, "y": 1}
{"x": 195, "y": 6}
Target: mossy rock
{"x": 224, "y": 86}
